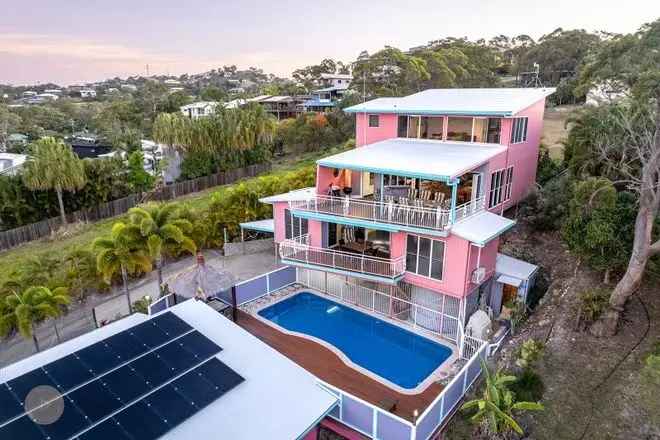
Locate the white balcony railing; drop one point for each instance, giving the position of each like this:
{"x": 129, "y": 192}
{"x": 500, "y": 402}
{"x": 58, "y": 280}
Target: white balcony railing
{"x": 387, "y": 212}
{"x": 298, "y": 249}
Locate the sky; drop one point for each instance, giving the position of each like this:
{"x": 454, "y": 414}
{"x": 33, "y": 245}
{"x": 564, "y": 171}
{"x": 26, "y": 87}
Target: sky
{"x": 77, "y": 41}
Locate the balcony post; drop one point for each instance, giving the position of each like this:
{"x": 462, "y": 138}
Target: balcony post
{"x": 454, "y": 195}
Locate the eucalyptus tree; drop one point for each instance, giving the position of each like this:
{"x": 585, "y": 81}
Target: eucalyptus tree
{"x": 124, "y": 252}
{"x": 165, "y": 232}
{"x": 52, "y": 165}
{"x": 22, "y": 311}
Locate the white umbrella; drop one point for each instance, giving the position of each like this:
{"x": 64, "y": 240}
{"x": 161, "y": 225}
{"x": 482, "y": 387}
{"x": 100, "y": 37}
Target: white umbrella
{"x": 200, "y": 281}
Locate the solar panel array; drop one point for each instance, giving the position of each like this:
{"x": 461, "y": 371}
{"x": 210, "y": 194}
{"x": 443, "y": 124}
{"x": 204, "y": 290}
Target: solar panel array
{"x": 134, "y": 385}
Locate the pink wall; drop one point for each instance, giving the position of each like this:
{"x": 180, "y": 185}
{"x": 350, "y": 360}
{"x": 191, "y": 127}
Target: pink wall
{"x": 278, "y": 217}
{"x": 486, "y": 259}
{"x": 364, "y": 134}
{"x": 397, "y": 244}
{"x": 323, "y": 178}
{"x": 315, "y": 230}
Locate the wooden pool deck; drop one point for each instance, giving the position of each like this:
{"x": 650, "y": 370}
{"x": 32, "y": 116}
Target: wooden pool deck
{"x": 327, "y": 366}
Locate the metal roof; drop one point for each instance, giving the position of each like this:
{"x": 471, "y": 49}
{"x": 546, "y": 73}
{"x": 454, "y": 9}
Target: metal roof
{"x": 485, "y": 102}
{"x": 298, "y": 194}
{"x": 482, "y": 227}
{"x": 267, "y": 225}
{"x": 513, "y": 267}
{"x": 423, "y": 158}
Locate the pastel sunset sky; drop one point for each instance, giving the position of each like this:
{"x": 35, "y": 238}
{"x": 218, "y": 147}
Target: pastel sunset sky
{"x": 72, "y": 41}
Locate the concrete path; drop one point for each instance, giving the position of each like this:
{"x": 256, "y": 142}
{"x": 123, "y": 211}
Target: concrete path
{"x": 112, "y": 306}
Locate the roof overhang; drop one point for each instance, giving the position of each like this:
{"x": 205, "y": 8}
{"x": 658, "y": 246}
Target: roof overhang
{"x": 421, "y": 158}
{"x": 482, "y": 227}
{"x": 267, "y": 225}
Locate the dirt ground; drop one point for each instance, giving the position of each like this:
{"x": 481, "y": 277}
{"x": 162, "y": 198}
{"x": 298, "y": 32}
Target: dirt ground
{"x": 593, "y": 387}
{"x": 554, "y": 129}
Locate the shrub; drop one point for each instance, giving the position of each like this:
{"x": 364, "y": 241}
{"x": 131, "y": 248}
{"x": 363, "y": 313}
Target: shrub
{"x": 528, "y": 386}
{"x": 592, "y": 304}
{"x": 142, "y": 305}
{"x": 529, "y": 353}
{"x": 545, "y": 208}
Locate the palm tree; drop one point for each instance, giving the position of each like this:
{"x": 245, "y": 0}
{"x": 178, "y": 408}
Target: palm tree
{"x": 164, "y": 231}
{"x": 124, "y": 252}
{"x": 497, "y": 404}
{"x": 52, "y": 165}
{"x": 23, "y": 311}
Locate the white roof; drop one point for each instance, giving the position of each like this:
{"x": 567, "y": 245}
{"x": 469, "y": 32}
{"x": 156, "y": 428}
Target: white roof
{"x": 511, "y": 281}
{"x": 496, "y": 102}
{"x": 291, "y": 196}
{"x": 482, "y": 227}
{"x": 428, "y": 159}
{"x": 267, "y": 225}
{"x": 513, "y": 267}
{"x": 277, "y": 400}
{"x": 199, "y": 104}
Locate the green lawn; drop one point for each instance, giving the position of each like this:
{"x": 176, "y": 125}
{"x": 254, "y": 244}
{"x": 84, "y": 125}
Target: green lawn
{"x": 83, "y": 234}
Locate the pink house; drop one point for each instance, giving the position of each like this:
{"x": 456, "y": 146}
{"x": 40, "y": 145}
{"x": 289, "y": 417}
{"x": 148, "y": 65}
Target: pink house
{"x": 416, "y": 210}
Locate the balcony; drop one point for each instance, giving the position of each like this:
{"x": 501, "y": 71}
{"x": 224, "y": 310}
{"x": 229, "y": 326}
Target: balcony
{"x": 297, "y": 250}
{"x": 410, "y": 214}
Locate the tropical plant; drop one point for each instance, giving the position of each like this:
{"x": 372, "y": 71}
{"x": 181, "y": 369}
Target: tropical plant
{"x": 123, "y": 252}
{"x": 22, "y": 311}
{"x": 80, "y": 272}
{"x": 530, "y": 352}
{"x": 498, "y": 404}
{"x": 592, "y": 303}
{"x": 142, "y": 304}
{"x": 138, "y": 179}
{"x": 53, "y": 165}
{"x": 164, "y": 232}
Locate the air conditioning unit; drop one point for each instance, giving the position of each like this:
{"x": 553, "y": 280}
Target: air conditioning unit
{"x": 478, "y": 275}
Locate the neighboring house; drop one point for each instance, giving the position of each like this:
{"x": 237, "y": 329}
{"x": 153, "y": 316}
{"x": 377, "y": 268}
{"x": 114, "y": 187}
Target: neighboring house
{"x": 17, "y": 140}
{"x": 87, "y": 93}
{"x": 11, "y": 163}
{"x": 88, "y": 146}
{"x": 186, "y": 373}
{"x": 129, "y": 87}
{"x": 199, "y": 109}
{"x": 54, "y": 91}
{"x": 606, "y": 93}
{"x": 48, "y": 96}
{"x": 29, "y": 93}
{"x": 335, "y": 86}
{"x": 416, "y": 210}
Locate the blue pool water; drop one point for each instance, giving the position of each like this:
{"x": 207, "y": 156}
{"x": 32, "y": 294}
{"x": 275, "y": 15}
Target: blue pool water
{"x": 391, "y": 352}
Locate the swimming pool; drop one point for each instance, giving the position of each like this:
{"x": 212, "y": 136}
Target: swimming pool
{"x": 389, "y": 351}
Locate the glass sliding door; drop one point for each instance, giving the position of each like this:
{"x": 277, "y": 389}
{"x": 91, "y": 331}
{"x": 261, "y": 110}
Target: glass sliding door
{"x": 459, "y": 129}
{"x": 413, "y": 126}
{"x": 432, "y": 128}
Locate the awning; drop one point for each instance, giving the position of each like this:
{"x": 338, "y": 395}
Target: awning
{"x": 267, "y": 225}
{"x": 482, "y": 227}
{"x": 513, "y": 267}
{"x": 426, "y": 159}
{"x": 511, "y": 281}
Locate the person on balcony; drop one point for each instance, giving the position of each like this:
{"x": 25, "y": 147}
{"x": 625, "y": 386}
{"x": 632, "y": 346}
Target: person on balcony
{"x": 337, "y": 183}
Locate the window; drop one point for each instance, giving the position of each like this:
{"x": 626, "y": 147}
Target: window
{"x": 500, "y": 186}
{"x": 425, "y": 256}
{"x": 519, "y": 130}
{"x": 402, "y": 130}
{"x": 508, "y": 184}
{"x": 459, "y": 129}
{"x": 374, "y": 121}
{"x": 294, "y": 226}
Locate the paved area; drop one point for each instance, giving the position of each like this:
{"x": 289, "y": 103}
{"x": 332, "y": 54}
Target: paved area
{"x": 112, "y": 306}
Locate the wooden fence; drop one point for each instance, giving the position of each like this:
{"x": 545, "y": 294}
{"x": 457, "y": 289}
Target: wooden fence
{"x": 14, "y": 237}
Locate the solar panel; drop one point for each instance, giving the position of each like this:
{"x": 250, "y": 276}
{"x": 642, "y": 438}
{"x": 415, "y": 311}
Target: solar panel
{"x": 68, "y": 372}
{"x": 22, "y": 385}
{"x": 108, "y": 430}
{"x": 9, "y": 405}
{"x": 68, "y": 424}
{"x": 155, "y": 391}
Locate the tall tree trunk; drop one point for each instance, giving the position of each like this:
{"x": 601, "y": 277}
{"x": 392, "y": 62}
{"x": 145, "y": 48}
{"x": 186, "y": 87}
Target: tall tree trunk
{"x": 57, "y": 333}
{"x": 61, "y": 203}
{"x": 124, "y": 278}
{"x": 159, "y": 271}
{"x": 34, "y": 339}
{"x": 643, "y": 247}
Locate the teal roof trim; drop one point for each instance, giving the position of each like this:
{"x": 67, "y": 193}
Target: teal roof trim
{"x": 364, "y": 276}
{"x": 310, "y": 215}
{"x": 416, "y": 112}
{"x": 330, "y": 164}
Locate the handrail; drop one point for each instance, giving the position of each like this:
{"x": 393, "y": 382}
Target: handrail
{"x": 372, "y": 210}
{"x": 297, "y": 249}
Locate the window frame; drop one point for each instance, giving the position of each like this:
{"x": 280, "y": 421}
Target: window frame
{"x": 369, "y": 119}
{"x": 501, "y": 186}
{"x": 293, "y": 224}
{"x": 418, "y": 239}
{"x": 519, "y": 127}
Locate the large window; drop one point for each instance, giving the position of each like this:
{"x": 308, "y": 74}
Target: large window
{"x": 500, "y": 186}
{"x": 425, "y": 256}
{"x": 519, "y": 130}
{"x": 422, "y": 127}
{"x": 486, "y": 130}
{"x": 294, "y": 226}
{"x": 374, "y": 121}
{"x": 459, "y": 129}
